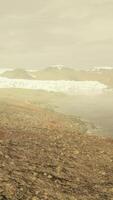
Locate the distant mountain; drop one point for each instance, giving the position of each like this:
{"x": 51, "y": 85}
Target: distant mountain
{"x": 17, "y": 74}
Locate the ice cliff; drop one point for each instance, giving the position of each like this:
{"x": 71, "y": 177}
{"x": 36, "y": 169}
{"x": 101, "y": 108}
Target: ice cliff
{"x": 72, "y": 87}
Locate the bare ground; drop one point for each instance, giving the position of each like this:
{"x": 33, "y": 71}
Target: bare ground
{"x": 47, "y": 156}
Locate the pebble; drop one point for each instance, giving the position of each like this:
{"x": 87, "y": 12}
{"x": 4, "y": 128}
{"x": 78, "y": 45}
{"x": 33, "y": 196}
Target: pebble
{"x": 111, "y": 189}
{"x": 49, "y": 176}
{"x": 35, "y": 198}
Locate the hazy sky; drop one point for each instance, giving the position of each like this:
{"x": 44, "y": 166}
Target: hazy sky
{"x": 47, "y": 32}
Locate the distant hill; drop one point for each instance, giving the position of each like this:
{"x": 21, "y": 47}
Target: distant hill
{"x": 104, "y": 76}
{"x": 55, "y": 73}
{"x": 17, "y": 74}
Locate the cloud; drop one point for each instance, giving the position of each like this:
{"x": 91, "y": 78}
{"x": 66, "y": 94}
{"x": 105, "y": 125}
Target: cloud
{"x": 41, "y": 32}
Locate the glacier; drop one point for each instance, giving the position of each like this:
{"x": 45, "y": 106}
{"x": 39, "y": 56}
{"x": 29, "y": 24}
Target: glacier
{"x": 70, "y": 87}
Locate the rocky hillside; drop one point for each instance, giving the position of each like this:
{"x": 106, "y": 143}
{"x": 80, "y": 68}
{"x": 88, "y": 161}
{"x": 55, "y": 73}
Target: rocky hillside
{"x": 48, "y": 156}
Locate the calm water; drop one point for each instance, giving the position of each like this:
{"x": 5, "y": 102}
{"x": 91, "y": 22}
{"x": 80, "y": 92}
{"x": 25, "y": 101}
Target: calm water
{"x": 97, "y": 109}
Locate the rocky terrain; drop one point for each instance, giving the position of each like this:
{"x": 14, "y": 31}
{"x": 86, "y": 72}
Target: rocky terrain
{"x": 48, "y": 156}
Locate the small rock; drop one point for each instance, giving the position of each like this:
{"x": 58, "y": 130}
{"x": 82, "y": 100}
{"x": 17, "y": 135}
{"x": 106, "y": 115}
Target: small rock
{"x": 1, "y": 153}
{"x": 35, "y": 198}
{"x": 49, "y": 176}
{"x": 7, "y": 157}
{"x": 111, "y": 189}
{"x": 102, "y": 152}
{"x": 21, "y": 189}
{"x": 103, "y": 173}
{"x": 76, "y": 151}
{"x": 10, "y": 190}
{"x": 2, "y": 197}
{"x": 37, "y": 192}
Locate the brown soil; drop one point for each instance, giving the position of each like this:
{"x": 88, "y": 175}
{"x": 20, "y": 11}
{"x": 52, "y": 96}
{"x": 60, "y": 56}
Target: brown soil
{"x": 46, "y": 156}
